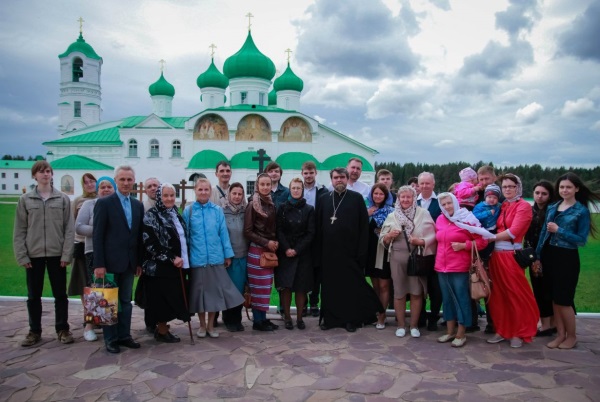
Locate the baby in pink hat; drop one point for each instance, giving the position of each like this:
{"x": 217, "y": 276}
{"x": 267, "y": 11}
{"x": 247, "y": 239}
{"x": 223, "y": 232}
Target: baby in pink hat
{"x": 466, "y": 191}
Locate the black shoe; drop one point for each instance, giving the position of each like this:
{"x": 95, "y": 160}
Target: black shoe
{"x": 113, "y": 347}
{"x": 350, "y": 327}
{"x": 489, "y": 329}
{"x": 432, "y": 325}
{"x": 324, "y": 327}
{"x": 166, "y": 338}
{"x": 130, "y": 343}
{"x": 150, "y": 329}
{"x": 314, "y": 311}
{"x": 473, "y": 328}
{"x": 239, "y": 326}
{"x": 546, "y": 332}
{"x": 274, "y": 326}
{"x": 289, "y": 325}
{"x": 443, "y": 324}
{"x": 231, "y": 327}
{"x": 262, "y": 326}
{"x": 300, "y": 324}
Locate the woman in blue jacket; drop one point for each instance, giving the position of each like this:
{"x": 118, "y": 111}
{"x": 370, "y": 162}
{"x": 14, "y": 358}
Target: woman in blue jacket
{"x": 567, "y": 226}
{"x": 211, "y": 288}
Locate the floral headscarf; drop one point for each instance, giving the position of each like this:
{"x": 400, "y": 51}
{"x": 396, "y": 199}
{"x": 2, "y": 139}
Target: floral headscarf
{"x": 518, "y": 190}
{"x": 463, "y": 218}
{"x": 159, "y": 202}
{"x": 406, "y": 217}
{"x": 258, "y": 199}
{"x": 239, "y": 207}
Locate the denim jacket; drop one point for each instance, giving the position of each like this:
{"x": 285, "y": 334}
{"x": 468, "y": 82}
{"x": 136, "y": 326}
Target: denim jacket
{"x": 573, "y": 227}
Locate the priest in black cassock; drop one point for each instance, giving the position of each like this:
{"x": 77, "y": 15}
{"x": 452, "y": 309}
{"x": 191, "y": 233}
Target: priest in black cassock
{"x": 347, "y": 300}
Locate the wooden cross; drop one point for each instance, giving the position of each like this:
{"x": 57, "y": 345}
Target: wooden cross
{"x": 212, "y": 50}
{"x": 139, "y": 191}
{"x": 81, "y": 21}
{"x": 181, "y": 186}
{"x": 288, "y": 51}
{"x": 162, "y": 63}
{"x": 261, "y": 158}
{"x": 249, "y": 15}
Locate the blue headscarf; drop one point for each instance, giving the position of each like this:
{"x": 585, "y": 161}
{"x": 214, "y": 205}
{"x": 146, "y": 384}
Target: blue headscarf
{"x": 108, "y": 179}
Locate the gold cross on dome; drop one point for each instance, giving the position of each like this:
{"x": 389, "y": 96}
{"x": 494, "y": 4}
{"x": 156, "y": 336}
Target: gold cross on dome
{"x": 81, "y": 21}
{"x": 250, "y": 16}
{"x": 212, "y": 49}
{"x": 289, "y": 53}
{"x": 162, "y": 65}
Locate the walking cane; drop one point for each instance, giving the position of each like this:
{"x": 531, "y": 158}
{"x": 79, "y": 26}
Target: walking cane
{"x": 186, "y": 304}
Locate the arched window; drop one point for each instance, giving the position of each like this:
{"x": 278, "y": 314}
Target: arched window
{"x": 176, "y": 149}
{"x": 77, "y": 69}
{"x": 132, "y": 145}
{"x": 67, "y": 184}
{"x": 154, "y": 149}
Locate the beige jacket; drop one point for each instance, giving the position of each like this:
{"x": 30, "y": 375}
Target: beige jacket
{"x": 43, "y": 229}
{"x": 424, "y": 229}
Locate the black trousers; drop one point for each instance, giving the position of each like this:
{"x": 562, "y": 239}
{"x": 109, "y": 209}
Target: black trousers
{"x": 233, "y": 315}
{"x": 435, "y": 299}
{"x": 35, "y": 286}
{"x": 313, "y": 298}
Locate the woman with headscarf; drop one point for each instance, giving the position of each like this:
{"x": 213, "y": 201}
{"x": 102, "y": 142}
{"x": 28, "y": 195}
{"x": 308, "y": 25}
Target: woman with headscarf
{"x": 414, "y": 224}
{"x": 234, "y": 209}
{"x": 84, "y": 226}
{"x": 458, "y": 230}
{"x": 165, "y": 254}
{"x": 295, "y": 232}
{"x": 512, "y": 303}
{"x": 78, "y": 279}
{"x": 260, "y": 229}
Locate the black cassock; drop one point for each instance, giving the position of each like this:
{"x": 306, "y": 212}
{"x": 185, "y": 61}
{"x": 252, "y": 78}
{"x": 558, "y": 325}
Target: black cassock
{"x": 346, "y": 297}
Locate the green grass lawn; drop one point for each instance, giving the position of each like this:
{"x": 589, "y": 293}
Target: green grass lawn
{"x": 12, "y": 277}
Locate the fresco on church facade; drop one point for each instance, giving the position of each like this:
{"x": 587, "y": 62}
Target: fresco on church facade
{"x": 211, "y": 127}
{"x": 295, "y": 129}
{"x": 67, "y": 185}
{"x": 253, "y": 127}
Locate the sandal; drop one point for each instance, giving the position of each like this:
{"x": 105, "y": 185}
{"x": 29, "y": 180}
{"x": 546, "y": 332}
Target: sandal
{"x": 289, "y": 325}
{"x": 300, "y": 324}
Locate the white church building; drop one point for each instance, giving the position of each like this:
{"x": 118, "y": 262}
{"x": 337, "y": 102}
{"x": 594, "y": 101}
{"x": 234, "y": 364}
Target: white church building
{"x": 241, "y": 111}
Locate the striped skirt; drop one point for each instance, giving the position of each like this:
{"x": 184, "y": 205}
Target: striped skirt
{"x": 260, "y": 279}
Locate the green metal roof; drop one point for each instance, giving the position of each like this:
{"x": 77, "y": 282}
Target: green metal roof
{"x": 206, "y": 159}
{"x": 78, "y": 162}
{"x": 109, "y": 136}
{"x": 250, "y": 108}
{"x": 249, "y": 62}
{"x": 212, "y": 78}
{"x": 288, "y": 81}
{"x": 272, "y": 98}
{"x": 81, "y": 46}
{"x": 243, "y": 160}
{"x": 16, "y": 164}
{"x": 132, "y": 121}
{"x": 162, "y": 87}
{"x": 64, "y": 103}
{"x": 341, "y": 160}
{"x": 294, "y": 160}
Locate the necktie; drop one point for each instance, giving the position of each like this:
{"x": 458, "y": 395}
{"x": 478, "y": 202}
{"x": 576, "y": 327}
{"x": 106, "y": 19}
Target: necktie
{"x": 127, "y": 209}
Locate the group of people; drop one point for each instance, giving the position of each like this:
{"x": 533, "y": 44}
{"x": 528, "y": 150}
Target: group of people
{"x": 327, "y": 240}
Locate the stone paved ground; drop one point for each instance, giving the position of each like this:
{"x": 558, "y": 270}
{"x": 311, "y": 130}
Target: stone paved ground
{"x": 312, "y": 365}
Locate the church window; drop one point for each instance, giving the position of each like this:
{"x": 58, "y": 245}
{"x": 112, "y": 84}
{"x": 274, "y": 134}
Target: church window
{"x": 16, "y": 175}
{"x": 4, "y": 187}
{"x": 261, "y": 98}
{"x": 16, "y": 186}
{"x": 250, "y": 187}
{"x": 244, "y": 97}
{"x": 176, "y": 149}
{"x": 77, "y": 109}
{"x": 77, "y": 69}
{"x": 154, "y": 149}
{"x": 3, "y": 175}
{"x": 132, "y": 149}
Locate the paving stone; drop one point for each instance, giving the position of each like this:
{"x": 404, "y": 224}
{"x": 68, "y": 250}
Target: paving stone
{"x": 158, "y": 384}
{"x": 19, "y": 395}
{"x": 95, "y": 387}
{"x": 481, "y": 376}
{"x": 252, "y": 374}
{"x": 293, "y": 379}
{"x": 97, "y": 373}
{"x": 172, "y": 370}
{"x": 371, "y": 382}
{"x": 21, "y": 381}
{"x": 501, "y": 388}
{"x": 178, "y": 390}
{"x": 404, "y": 383}
{"x": 533, "y": 380}
{"x": 429, "y": 395}
{"x": 346, "y": 368}
{"x": 329, "y": 383}
{"x": 565, "y": 394}
{"x": 43, "y": 392}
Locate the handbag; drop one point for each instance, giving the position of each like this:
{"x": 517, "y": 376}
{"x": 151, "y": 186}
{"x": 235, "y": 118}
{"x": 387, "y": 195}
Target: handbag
{"x": 419, "y": 264}
{"x": 268, "y": 260}
{"x": 479, "y": 282}
{"x": 525, "y": 257}
{"x": 100, "y": 302}
{"x": 247, "y": 300}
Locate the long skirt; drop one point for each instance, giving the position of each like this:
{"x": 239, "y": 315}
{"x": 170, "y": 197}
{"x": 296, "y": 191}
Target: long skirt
{"x": 212, "y": 290}
{"x": 511, "y": 303}
{"x": 79, "y": 275}
{"x": 164, "y": 299}
{"x": 260, "y": 279}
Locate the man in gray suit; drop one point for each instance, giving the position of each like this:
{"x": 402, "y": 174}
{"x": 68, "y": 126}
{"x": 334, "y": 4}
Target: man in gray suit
{"x": 117, "y": 237}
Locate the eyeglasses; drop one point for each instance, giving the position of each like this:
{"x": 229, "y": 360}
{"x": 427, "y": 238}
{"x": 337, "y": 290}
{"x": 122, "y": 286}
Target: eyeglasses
{"x": 508, "y": 187}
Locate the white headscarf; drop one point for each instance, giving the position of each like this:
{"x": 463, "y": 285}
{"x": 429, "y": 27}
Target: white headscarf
{"x": 518, "y": 190}
{"x": 463, "y": 218}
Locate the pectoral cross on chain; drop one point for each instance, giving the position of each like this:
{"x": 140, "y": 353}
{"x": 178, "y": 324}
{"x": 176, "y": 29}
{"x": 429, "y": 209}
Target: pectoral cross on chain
{"x": 333, "y": 219}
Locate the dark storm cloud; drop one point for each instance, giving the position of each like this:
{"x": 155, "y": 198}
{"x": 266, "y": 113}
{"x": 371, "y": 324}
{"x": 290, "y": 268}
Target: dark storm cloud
{"x": 520, "y": 15}
{"x": 497, "y": 61}
{"x": 582, "y": 38}
{"x": 357, "y": 39}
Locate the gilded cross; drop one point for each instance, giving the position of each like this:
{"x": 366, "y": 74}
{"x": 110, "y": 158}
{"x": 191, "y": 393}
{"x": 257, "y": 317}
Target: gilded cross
{"x": 249, "y": 15}
{"x": 162, "y": 65}
{"x": 212, "y": 49}
{"x": 288, "y": 51}
{"x": 81, "y": 21}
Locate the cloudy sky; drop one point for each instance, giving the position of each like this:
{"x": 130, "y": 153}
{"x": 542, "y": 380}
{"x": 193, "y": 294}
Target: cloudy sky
{"x": 512, "y": 82}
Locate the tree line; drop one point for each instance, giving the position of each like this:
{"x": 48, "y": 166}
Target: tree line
{"x": 17, "y": 158}
{"x": 447, "y": 174}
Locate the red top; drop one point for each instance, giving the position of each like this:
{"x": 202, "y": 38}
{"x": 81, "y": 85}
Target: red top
{"x": 515, "y": 216}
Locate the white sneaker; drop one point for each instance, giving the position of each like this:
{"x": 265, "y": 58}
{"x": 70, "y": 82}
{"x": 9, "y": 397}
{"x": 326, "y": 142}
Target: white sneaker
{"x": 90, "y": 335}
{"x": 201, "y": 333}
{"x": 400, "y": 332}
{"x": 415, "y": 333}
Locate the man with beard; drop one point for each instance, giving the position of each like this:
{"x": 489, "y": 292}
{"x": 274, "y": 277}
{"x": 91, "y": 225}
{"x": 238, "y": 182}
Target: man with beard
{"x": 347, "y": 300}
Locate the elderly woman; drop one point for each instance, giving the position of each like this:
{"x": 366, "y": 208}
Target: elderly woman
{"x": 413, "y": 223}
{"x": 543, "y": 196}
{"x": 166, "y": 253}
{"x": 512, "y": 304}
{"x": 84, "y": 226}
{"x": 295, "y": 231}
{"x": 457, "y": 232}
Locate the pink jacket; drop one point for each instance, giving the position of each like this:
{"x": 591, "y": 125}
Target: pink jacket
{"x": 466, "y": 194}
{"x": 447, "y": 260}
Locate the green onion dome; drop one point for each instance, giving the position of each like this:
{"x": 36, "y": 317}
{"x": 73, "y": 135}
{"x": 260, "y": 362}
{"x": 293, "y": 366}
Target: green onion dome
{"x": 81, "y": 46}
{"x": 212, "y": 78}
{"x": 249, "y": 62}
{"x": 273, "y": 98}
{"x": 162, "y": 87}
{"x": 288, "y": 81}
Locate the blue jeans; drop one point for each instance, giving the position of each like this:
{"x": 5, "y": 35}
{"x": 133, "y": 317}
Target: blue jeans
{"x": 258, "y": 316}
{"x": 122, "y": 329}
{"x": 455, "y": 297}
